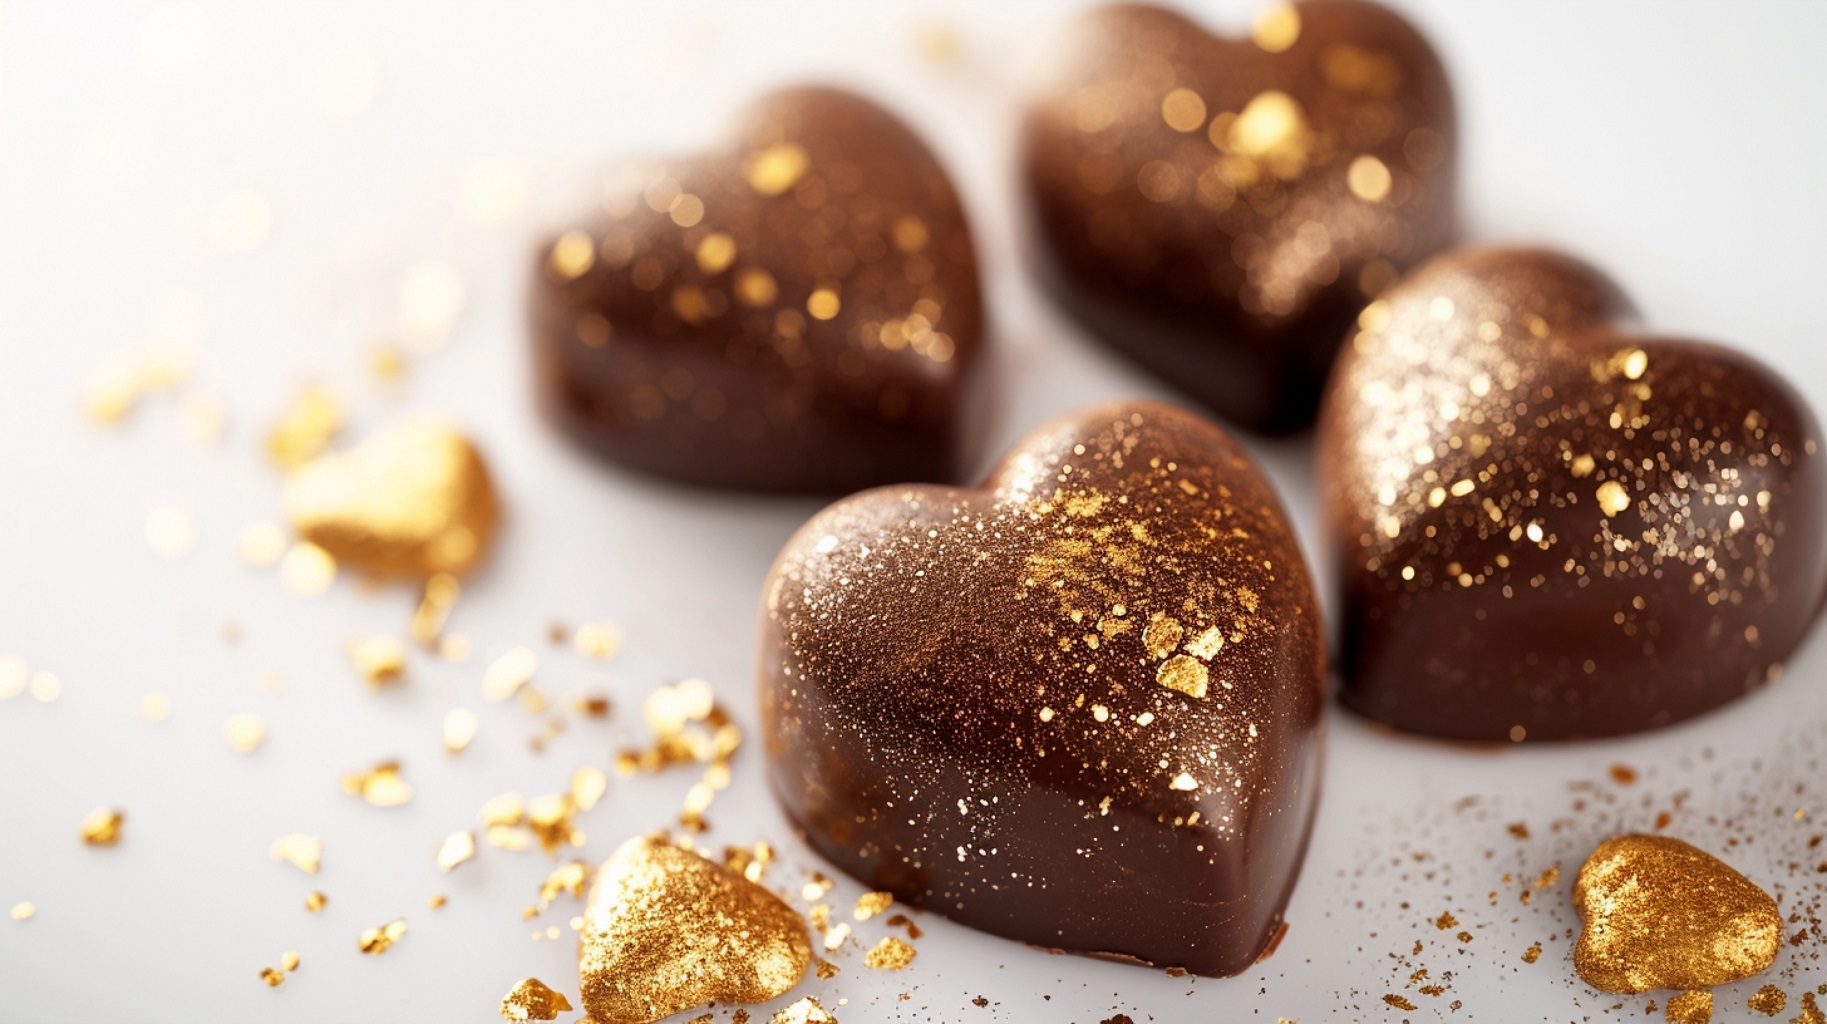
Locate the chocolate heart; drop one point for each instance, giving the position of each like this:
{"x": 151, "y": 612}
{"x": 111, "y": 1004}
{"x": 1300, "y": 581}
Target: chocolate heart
{"x": 797, "y": 311}
{"x": 1549, "y": 528}
{"x": 1079, "y": 706}
{"x": 1218, "y": 209}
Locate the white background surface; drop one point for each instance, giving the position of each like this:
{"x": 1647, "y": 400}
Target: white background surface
{"x": 1678, "y": 145}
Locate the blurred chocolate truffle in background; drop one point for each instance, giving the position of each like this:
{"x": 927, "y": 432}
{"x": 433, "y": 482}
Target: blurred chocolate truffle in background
{"x": 1079, "y": 706}
{"x": 1547, "y": 527}
{"x": 1219, "y": 209}
{"x": 796, "y": 310}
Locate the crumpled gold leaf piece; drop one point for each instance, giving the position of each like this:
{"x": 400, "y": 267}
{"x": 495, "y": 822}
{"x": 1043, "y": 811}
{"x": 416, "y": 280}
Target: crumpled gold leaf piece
{"x": 375, "y": 941}
{"x": 1659, "y": 913}
{"x": 531, "y": 999}
{"x": 413, "y": 499}
{"x": 667, "y": 930}
{"x": 303, "y": 852}
{"x": 102, "y": 826}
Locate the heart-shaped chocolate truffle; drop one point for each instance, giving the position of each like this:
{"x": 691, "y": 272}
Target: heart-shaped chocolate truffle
{"x": 798, "y": 310}
{"x": 1220, "y": 209}
{"x": 1546, "y": 527}
{"x": 1078, "y": 706}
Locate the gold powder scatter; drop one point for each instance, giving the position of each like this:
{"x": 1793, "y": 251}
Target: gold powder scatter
{"x": 572, "y": 256}
{"x": 379, "y": 940}
{"x": 823, "y": 303}
{"x": 457, "y": 848}
{"x": 751, "y": 862}
{"x": 508, "y": 673}
{"x": 1161, "y": 636}
{"x": 1368, "y": 179}
{"x": 380, "y": 658}
{"x": 429, "y": 300}
{"x": 531, "y": 999}
{"x": 302, "y": 852}
{"x": 305, "y": 428}
{"x": 1658, "y": 913}
{"x": 435, "y": 603}
{"x": 1690, "y": 1008}
{"x": 491, "y": 193}
{"x": 667, "y": 930}
{"x": 870, "y": 904}
{"x": 1811, "y": 1011}
{"x": 102, "y": 827}
{"x": 261, "y": 545}
{"x": 1547, "y": 878}
{"x": 805, "y": 1011}
{"x": 1768, "y": 1000}
{"x": 588, "y": 784}
{"x": 155, "y": 707}
{"x": 289, "y": 960}
{"x": 1184, "y": 783}
{"x": 307, "y": 569}
{"x": 413, "y": 499}
{"x": 168, "y": 531}
{"x": 460, "y": 725}
{"x": 598, "y": 640}
{"x": 825, "y": 969}
{"x": 890, "y": 954}
{"x": 240, "y": 222}
{"x": 1446, "y": 921}
{"x": 1613, "y": 498}
{"x": 245, "y": 733}
{"x": 381, "y": 785}
{"x": 715, "y": 252}
{"x": 1183, "y": 110}
{"x": 316, "y": 901}
{"x": 1277, "y": 28}
{"x": 756, "y": 288}
{"x": 15, "y": 676}
{"x": 24, "y": 910}
{"x": 775, "y": 169}
{"x": 1183, "y": 673}
{"x": 273, "y": 978}
{"x": 1532, "y": 954}
{"x": 1399, "y": 1002}
{"x": 46, "y": 687}
{"x": 1622, "y": 774}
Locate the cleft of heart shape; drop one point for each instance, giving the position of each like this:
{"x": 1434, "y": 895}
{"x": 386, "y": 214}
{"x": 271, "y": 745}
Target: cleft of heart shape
{"x": 1078, "y": 705}
{"x": 1547, "y": 526}
{"x": 797, "y": 309}
{"x": 1219, "y": 209}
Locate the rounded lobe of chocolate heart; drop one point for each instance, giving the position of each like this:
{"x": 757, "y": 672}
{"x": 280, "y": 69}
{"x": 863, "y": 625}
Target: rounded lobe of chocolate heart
{"x": 1220, "y": 209}
{"x": 797, "y": 310}
{"x": 1078, "y": 707}
{"x": 1546, "y": 527}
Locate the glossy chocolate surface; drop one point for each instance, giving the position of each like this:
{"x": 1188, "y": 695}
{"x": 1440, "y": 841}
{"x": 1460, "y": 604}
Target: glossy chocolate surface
{"x": 1547, "y": 526}
{"x": 797, "y": 310}
{"x": 1219, "y": 209}
{"x": 1078, "y": 706}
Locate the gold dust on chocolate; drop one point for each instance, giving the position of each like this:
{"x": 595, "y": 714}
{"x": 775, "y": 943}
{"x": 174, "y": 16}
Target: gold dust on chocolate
{"x": 797, "y": 309}
{"x": 414, "y": 499}
{"x": 1220, "y": 208}
{"x": 1659, "y": 913}
{"x": 667, "y": 930}
{"x": 532, "y": 999}
{"x": 1550, "y": 528}
{"x": 963, "y": 700}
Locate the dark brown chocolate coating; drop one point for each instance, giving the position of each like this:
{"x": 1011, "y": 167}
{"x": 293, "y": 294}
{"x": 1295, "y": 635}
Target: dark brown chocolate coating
{"x": 1078, "y": 707}
{"x": 1220, "y": 209}
{"x": 1546, "y": 527}
{"x": 797, "y": 310}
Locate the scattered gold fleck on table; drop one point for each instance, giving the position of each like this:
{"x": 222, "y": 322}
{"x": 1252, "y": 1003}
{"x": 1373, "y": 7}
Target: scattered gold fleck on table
{"x": 102, "y": 827}
{"x": 1811, "y": 1011}
{"x": 531, "y": 999}
{"x": 273, "y": 978}
{"x": 1690, "y": 1008}
{"x": 1768, "y": 1000}
{"x": 567, "y": 878}
{"x": 870, "y": 904}
{"x": 303, "y": 852}
{"x": 551, "y": 818}
{"x": 890, "y": 954}
{"x": 1532, "y": 954}
{"x": 1399, "y": 1002}
{"x": 460, "y": 725}
{"x": 305, "y": 428}
{"x": 509, "y": 672}
{"x": 456, "y": 848}
{"x": 667, "y": 930}
{"x": 1659, "y": 913}
{"x": 439, "y": 598}
{"x": 379, "y": 940}
{"x": 806, "y": 1011}
{"x": 413, "y": 499}
{"x": 307, "y": 569}
{"x": 289, "y": 960}
{"x": 588, "y": 784}
{"x": 381, "y": 785}
{"x": 437, "y": 901}
{"x": 23, "y": 911}
{"x": 380, "y": 658}
{"x": 316, "y": 901}
{"x": 244, "y": 732}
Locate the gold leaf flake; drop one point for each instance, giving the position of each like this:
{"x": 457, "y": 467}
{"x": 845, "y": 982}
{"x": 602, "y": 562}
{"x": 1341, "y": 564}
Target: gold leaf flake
{"x": 381, "y": 785}
{"x": 870, "y": 904}
{"x": 588, "y": 784}
{"x": 316, "y": 901}
{"x": 550, "y": 817}
{"x": 273, "y": 978}
{"x": 102, "y": 827}
{"x": 532, "y": 1000}
{"x": 835, "y": 937}
{"x": 890, "y": 954}
{"x": 24, "y": 910}
{"x": 305, "y": 428}
{"x": 380, "y": 658}
{"x": 379, "y": 940}
{"x": 1185, "y": 674}
{"x": 301, "y": 851}
{"x": 508, "y": 673}
{"x": 460, "y": 725}
{"x": 567, "y": 878}
{"x": 436, "y": 902}
{"x": 806, "y": 1011}
{"x": 307, "y": 569}
{"x": 456, "y": 848}
{"x": 244, "y": 732}
{"x": 439, "y": 598}
{"x": 289, "y": 960}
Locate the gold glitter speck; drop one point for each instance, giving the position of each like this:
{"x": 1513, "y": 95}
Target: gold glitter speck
{"x": 380, "y": 658}
{"x": 456, "y": 848}
{"x": 316, "y": 901}
{"x": 379, "y": 940}
{"x": 1768, "y": 1000}
{"x": 381, "y": 785}
{"x": 532, "y": 999}
{"x": 460, "y": 725}
{"x": 102, "y": 827}
{"x": 805, "y": 1011}
{"x": 302, "y": 852}
{"x": 508, "y": 673}
{"x": 1690, "y": 1008}
{"x": 890, "y": 954}
{"x": 24, "y": 910}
